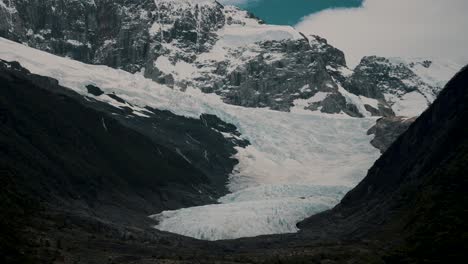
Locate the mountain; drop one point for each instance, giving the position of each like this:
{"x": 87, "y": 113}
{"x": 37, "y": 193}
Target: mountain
{"x": 198, "y": 58}
{"x": 226, "y": 51}
{"x": 408, "y": 209}
{"x": 199, "y": 119}
{"x": 272, "y": 171}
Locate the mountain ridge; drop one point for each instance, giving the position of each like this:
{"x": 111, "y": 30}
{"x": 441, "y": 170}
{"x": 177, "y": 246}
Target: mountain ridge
{"x": 227, "y": 51}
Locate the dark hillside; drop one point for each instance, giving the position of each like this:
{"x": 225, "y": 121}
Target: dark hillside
{"x": 415, "y": 194}
{"x": 63, "y": 156}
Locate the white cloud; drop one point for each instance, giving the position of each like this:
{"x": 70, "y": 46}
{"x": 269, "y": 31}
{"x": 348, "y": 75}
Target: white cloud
{"x": 405, "y": 28}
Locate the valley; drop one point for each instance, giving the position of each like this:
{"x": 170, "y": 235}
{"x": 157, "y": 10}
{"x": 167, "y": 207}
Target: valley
{"x": 168, "y": 131}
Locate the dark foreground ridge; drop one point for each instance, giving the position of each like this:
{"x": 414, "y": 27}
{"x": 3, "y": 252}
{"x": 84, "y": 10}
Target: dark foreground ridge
{"x": 68, "y": 195}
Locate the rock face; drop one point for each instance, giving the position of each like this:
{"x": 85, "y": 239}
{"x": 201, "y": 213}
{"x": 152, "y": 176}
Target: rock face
{"x": 223, "y": 50}
{"x": 387, "y": 130}
{"x": 396, "y": 82}
{"x": 121, "y": 34}
{"x": 281, "y": 72}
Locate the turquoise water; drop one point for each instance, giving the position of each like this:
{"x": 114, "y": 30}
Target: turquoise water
{"x": 290, "y": 12}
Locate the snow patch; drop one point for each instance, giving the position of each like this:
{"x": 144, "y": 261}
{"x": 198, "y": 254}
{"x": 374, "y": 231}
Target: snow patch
{"x": 301, "y": 104}
{"x": 409, "y": 105}
{"x": 181, "y": 70}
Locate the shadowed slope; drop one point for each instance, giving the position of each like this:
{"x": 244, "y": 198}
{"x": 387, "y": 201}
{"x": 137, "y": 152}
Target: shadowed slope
{"x": 415, "y": 193}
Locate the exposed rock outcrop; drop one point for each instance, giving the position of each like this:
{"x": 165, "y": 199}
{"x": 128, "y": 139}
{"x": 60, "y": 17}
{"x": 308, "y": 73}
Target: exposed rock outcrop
{"x": 387, "y": 130}
{"x": 121, "y": 34}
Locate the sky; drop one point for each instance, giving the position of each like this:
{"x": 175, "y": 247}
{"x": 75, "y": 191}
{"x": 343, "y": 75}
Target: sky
{"x": 393, "y": 28}
{"x": 289, "y": 11}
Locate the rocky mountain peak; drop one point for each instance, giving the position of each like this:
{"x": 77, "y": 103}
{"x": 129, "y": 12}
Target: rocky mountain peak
{"x": 407, "y": 85}
{"x": 224, "y": 50}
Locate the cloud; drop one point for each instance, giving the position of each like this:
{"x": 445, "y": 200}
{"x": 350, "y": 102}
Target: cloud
{"x": 404, "y": 28}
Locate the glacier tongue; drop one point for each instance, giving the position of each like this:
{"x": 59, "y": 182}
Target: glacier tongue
{"x": 296, "y": 165}
{"x": 252, "y": 217}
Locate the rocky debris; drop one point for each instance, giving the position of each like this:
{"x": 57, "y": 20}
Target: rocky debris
{"x": 387, "y": 130}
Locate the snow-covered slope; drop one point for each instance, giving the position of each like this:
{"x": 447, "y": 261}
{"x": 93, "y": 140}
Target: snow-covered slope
{"x": 430, "y": 77}
{"x": 252, "y": 64}
{"x": 291, "y": 154}
{"x": 408, "y": 85}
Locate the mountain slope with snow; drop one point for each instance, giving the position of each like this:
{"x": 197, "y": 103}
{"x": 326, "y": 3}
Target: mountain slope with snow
{"x": 409, "y": 86}
{"x": 288, "y": 151}
{"x": 227, "y": 51}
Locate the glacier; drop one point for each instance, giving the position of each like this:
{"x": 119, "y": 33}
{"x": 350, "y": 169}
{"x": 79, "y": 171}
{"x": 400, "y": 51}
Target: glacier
{"x": 253, "y": 215}
{"x": 297, "y": 164}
